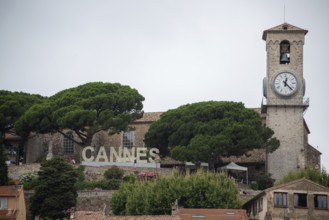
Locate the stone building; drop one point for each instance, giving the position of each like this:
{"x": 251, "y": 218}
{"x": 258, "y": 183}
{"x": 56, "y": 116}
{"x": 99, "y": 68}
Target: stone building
{"x": 39, "y": 146}
{"x": 301, "y": 199}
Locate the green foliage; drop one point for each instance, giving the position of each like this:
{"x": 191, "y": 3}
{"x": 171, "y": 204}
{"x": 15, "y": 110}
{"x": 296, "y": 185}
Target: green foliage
{"x": 106, "y": 184}
{"x": 80, "y": 173}
{"x": 85, "y": 109}
{"x": 205, "y": 191}
{"x": 120, "y": 197}
{"x": 129, "y": 179}
{"x": 113, "y": 172}
{"x": 263, "y": 182}
{"x": 31, "y": 184}
{"x": 29, "y": 180}
{"x": 195, "y": 132}
{"x": 55, "y": 191}
{"x": 320, "y": 177}
{"x": 3, "y": 165}
{"x": 201, "y": 190}
{"x": 13, "y": 105}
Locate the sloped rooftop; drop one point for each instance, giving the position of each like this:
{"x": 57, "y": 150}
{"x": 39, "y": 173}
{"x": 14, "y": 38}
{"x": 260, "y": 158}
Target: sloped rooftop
{"x": 149, "y": 117}
{"x": 183, "y": 214}
{"x": 86, "y": 215}
{"x": 10, "y": 191}
{"x": 253, "y": 156}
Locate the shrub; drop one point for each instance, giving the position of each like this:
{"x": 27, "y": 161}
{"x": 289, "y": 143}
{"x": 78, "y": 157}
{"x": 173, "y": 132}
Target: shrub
{"x": 318, "y": 176}
{"x": 108, "y": 184}
{"x": 264, "y": 182}
{"x": 129, "y": 179}
{"x": 31, "y": 184}
{"x": 200, "y": 190}
{"x": 29, "y": 180}
{"x": 80, "y": 173}
{"x": 26, "y": 177}
{"x": 113, "y": 173}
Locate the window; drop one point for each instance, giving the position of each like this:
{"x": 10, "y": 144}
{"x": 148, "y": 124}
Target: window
{"x": 3, "y": 203}
{"x": 280, "y": 199}
{"x": 300, "y": 200}
{"x": 128, "y": 139}
{"x": 320, "y": 201}
{"x": 284, "y": 52}
{"x": 260, "y": 205}
{"x": 68, "y": 143}
{"x": 254, "y": 209}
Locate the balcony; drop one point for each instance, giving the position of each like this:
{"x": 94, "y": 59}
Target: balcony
{"x": 277, "y": 102}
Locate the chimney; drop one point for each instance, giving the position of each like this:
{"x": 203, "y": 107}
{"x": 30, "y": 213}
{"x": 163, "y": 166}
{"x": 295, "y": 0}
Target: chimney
{"x": 174, "y": 208}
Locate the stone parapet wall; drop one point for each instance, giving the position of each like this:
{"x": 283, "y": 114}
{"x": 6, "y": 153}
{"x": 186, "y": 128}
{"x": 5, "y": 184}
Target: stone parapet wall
{"x": 88, "y": 200}
{"x": 14, "y": 171}
{"x": 94, "y": 200}
{"x": 91, "y": 173}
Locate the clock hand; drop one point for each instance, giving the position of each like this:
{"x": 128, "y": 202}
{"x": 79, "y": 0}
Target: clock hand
{"x": 288, "y": 86}
{"x": 285, "y": 82}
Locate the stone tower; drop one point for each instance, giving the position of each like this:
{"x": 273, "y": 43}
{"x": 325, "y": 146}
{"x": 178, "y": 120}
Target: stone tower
{"x": 284, "y": 102}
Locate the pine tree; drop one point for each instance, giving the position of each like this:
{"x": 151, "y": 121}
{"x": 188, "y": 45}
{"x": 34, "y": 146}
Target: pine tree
{"x": 55, "y": 192}
{"x": 3, "y": 165}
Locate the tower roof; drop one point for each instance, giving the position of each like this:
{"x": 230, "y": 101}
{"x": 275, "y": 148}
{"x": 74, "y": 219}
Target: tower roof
{"x": 284, "y": 28}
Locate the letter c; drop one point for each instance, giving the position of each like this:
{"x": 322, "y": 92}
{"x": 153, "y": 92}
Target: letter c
{"x": 84, "y": 157}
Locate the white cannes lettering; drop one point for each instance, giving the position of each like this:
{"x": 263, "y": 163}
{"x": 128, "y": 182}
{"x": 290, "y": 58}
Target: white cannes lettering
{"x": 139, "y": 155}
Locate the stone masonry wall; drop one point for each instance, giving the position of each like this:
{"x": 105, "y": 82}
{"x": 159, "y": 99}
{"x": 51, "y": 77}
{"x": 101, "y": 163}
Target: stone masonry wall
{"x": 91, "y": 173}
{"x": 88, "y": 200}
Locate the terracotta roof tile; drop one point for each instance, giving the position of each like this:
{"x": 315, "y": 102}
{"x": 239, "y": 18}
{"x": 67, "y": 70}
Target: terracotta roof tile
{"x": 183, "y": 214}
{"x": 86, "y": 215}
{"x": 212, "y": 214}
{"x": 253, "y": 156}
{"x": 149, "y": 117}
{"x": 169, "y": 160}
{"x": 10, "y": 191}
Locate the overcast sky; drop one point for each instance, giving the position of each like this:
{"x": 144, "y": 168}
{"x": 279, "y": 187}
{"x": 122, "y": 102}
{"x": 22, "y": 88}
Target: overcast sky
{"x": 173, "y": 52}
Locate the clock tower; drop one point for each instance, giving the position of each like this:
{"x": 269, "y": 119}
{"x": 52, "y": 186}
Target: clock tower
{"x": 284, "y": 102}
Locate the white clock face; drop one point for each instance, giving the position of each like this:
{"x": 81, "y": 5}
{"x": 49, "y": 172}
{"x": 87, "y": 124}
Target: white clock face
{"x": 285, "y": 84}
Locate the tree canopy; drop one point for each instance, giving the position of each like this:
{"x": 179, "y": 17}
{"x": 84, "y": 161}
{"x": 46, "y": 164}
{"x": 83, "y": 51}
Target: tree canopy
{"x": 200, "y": 131}
{"x": 3, "y": 166}
{"x": 55, "y": 192}
{"x": 13, "y": 105}
{"x": 85, "y": 109}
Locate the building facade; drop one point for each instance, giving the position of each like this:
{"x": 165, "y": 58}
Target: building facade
{"x": 12, "y": 202}
{"x": 40, "y": 146}
{"x": 301, "y": 199}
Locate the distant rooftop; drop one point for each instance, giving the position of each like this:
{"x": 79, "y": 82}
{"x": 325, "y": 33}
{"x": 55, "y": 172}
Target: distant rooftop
{"x": 183, "y": 214}
{"x": 10, "y": 191}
